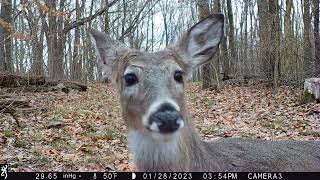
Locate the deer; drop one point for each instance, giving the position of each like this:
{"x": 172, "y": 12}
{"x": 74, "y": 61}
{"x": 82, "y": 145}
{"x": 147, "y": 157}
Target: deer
{"x": 161, "y": 134}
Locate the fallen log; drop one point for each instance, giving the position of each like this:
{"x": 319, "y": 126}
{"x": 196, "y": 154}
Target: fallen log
{"x": 37, "y": 84}
{"x": 60, "y": 85}
{"x": 12, "y": 80}
{"x": 32, "y": 89}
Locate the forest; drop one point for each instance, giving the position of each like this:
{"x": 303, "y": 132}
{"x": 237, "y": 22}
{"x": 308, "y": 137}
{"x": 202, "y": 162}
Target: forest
{"x": 59, "y": 112}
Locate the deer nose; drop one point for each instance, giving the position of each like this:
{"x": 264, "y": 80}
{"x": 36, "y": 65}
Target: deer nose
{"x": 166, "y": 120}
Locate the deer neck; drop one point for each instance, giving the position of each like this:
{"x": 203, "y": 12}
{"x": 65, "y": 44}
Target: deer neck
{"x": 174, "y": 153}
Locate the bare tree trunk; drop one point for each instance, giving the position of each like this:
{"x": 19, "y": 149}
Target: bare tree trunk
{"x": 152, "y": 34}
{"x": 6, "y": 60}
{"x": 203, "y": 10}
{"x": 15, "y": 47}
{"x": 244, "y": 68}
{"x": 2, "y": 38}
{"x": 264, "y": 43}
{"x": 76, "y": 61}
{"x": 165, "y": 22}
{"x": 37, "y": 44}
{"x": 210, "y": 71}
{"x": 56, "y": 42}
{"x": 87, "y": 52}
{"x": 307, "y": 40}
{"x": 253, "y": 55}
{"x": 106, "y": 17}
{"x": 287, "y": 60}
{"x": 22, "y": 48}
{"x": 217, "y": 58}
{"x": 275, "y": 41}
{"x": 37, "y": 53}
{"x": 124, "y": 18}
{"x": 232, "y": 46}
{"x": 316, "y": 37}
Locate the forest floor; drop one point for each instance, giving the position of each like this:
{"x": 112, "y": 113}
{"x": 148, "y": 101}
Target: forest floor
{"x": 88, "y": 133}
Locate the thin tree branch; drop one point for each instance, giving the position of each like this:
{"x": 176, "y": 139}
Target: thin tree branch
{"x": 89, "y": 18}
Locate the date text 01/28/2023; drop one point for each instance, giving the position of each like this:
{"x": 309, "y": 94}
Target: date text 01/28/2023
{"x": 189, "y": 176}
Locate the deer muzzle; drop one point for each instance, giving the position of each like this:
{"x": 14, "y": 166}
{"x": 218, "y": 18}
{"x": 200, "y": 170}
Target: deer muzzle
{"x": 165, "y": 120}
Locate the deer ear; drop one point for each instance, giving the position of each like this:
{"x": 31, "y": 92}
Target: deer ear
{"x": 201, "y": 41}
{"x": 108, "y": 52}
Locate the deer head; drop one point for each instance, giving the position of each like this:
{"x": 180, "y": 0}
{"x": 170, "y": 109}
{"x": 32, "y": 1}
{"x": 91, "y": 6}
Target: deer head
{"x": 151, "y": 85}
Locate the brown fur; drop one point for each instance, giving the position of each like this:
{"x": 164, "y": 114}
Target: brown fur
{"x": 183, "y": 150}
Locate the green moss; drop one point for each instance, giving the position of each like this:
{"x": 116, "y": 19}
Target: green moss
{"x": 211, "y": 130}
{"x": 93, "y": 161}
{"x": 62, "y": 144}
{"x": 8, "y": 133}
{"x": 209, "y": 102}
{"x": 20, "y": 143}
{"x": 43, "y": 160}
{"x": 89, "y": 131}
{"x": 307, "y": 98}
{"x": 58, "y": 143}
{"x": 110, "y": 134}
{"x": 193, "y": 97}
{"x": 40, "y": 158}
{"x": 15, "y": 165}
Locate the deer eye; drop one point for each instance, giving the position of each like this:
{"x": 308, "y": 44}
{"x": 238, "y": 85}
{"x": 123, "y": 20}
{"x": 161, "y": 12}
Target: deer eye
{"x": 178, "y": 76}
{"x": 130, "y": 79}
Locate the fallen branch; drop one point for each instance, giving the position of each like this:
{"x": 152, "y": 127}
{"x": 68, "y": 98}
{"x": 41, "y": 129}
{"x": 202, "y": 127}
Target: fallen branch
{"x": 14, "y": 103}
{"x": 12, "y": 112}
{"x": 11, "y": 104}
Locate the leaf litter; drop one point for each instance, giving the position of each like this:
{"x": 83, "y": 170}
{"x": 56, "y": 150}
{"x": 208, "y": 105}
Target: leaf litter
{"x": 84, "y": 131}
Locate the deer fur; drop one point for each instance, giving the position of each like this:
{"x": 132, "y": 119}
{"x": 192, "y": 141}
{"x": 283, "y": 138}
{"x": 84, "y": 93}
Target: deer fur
{"x": 183, "y": 150}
